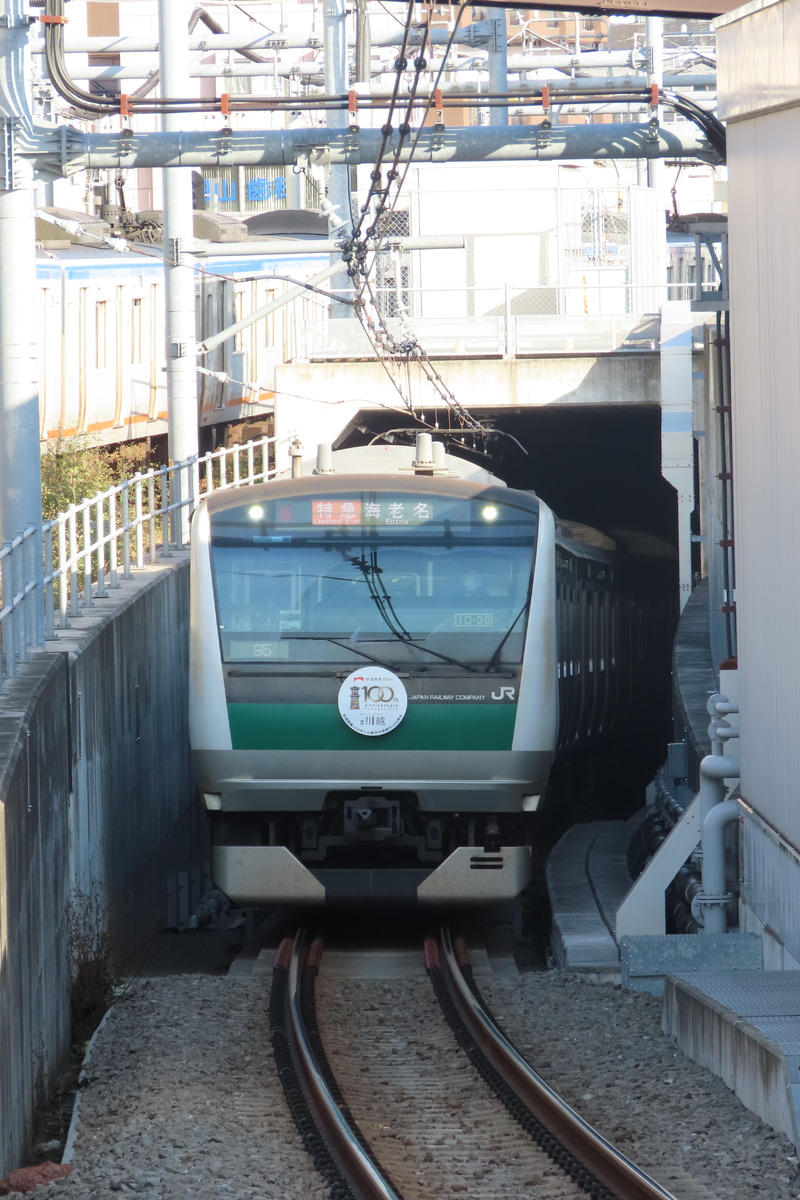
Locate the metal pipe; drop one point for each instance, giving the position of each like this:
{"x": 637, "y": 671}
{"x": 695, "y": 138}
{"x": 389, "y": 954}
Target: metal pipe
{"x": 712, "y": 901}
{"x": 293, "y": 294}
{"x": 498, "y": 65}
{"x": 299, "y": 70}
{"x": 81, "y": 151}
{"x": 208, "y": 43}
{"x": 300, "y": 246}
{"x": 720, "y": 730}
{"x": 714, "y": 770}
{"x": 363, "y": 39}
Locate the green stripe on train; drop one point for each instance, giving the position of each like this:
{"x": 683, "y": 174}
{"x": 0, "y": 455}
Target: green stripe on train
{"x": 319, "y": 727}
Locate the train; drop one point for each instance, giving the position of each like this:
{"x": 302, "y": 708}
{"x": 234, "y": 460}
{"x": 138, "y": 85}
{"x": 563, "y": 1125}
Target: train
{"x": 390, "y": 654}
{"x": 693, "y": 273}
{"x": 101, "y": 332}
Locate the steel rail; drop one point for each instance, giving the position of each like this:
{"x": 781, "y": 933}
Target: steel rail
{"x": 344, "y": 1143}
{"x": 590, "y": 1148}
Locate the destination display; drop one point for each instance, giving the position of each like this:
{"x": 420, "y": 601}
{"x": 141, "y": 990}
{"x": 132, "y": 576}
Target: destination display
{"x": 371, "y": 512}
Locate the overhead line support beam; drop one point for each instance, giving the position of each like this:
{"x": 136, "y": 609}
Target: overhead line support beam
{"x": 75, "y": 151}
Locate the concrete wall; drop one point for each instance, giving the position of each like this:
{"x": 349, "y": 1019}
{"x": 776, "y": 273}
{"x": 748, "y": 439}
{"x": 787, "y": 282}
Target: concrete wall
{"x": 34, "y": 894}
{"x": 759, "y": 89}
{"x": 96, "y": 804}
{"x": 321, "y": 397}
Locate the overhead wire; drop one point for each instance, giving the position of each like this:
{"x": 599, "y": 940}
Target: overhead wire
{"x": 362, "y": 243}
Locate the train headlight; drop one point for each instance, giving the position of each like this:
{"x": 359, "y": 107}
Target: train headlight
{"x": 213, "y": 801}
{"x": 255, "y": 512}
{"x": 490, "y": 512}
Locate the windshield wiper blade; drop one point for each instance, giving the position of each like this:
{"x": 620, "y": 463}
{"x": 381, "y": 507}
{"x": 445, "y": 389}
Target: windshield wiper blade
{"x": 321, "y": 637}
{"x": 409, "y": 641}
{"x": 498, "y": 650}
{"x": 418, "y": 644}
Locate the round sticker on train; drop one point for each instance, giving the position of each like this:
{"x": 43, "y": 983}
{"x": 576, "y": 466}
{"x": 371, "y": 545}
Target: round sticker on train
{"x": 372, "y": 701}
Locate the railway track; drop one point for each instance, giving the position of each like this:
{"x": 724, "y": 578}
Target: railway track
{"x": 389, "y": 1108}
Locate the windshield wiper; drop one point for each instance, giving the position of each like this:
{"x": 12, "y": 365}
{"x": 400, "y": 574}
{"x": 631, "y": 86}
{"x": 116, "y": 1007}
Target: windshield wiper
{"x": 498, "y": 650}
{"x": 373, "y": 576}
{"x": 321, "y": 637}
{"x": 397, "y": 639}
{"x": 418, "y": 644}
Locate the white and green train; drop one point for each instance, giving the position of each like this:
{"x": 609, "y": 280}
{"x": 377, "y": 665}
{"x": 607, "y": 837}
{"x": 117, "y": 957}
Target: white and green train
{"x": 377, "y": 652}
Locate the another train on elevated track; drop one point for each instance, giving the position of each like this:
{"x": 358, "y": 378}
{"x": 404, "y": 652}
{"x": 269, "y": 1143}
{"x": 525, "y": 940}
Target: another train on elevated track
{"x": 392, "y": 657}
{"x": 101, "y": 334}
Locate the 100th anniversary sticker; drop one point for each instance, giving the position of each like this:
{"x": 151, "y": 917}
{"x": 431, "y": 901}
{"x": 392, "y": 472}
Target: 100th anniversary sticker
{"x": 372, "y": 701}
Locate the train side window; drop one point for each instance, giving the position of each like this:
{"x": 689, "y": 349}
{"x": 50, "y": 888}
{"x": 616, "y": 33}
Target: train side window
{"x": 101, "y": 335}
{"x": 238, "y": 313}
{"x": 137, "y": 354}
{"x": 268, "y": 322}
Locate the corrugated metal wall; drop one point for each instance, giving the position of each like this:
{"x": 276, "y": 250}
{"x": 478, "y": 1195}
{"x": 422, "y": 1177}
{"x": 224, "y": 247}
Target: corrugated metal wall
{"x": 758, "y": 55}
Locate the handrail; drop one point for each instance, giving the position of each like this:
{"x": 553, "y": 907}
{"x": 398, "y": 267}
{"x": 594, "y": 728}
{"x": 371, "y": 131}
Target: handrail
{"x": 89, "y": 548}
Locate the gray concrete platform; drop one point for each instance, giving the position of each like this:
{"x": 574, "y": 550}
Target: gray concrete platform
{"x": 587, "y": 876}
{"x": 745, "y": 1027}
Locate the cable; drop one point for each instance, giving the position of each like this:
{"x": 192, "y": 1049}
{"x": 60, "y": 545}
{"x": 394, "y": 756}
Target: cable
{"x": 90, "y": 104}
{"x": 711, "y": 126}
{"x": 356, "y": 249}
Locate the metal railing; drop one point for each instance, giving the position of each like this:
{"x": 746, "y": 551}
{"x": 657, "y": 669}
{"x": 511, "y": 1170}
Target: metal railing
{"x": 482, "y": 322}
{"x": 87, "y": 550}
{"x": 20, "y": 618}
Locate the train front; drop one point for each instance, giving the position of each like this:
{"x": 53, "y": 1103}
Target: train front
{"x": 372, "y": 687}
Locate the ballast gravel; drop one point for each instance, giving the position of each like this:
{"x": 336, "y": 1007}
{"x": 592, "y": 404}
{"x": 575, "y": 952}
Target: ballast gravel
{"x": 181, "y": 1100}
{"x": 604, "y": 1052}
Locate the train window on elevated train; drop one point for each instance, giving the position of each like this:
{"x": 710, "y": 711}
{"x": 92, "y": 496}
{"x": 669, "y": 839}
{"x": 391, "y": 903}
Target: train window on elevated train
{"x": 268, "y": 322}
{"x": 238, "y": 313}
{"x": 101, "y": 335}
{"x": 137, "y": 355}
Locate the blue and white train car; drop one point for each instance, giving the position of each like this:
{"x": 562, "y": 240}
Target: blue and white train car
{"x": 102, "y": 343}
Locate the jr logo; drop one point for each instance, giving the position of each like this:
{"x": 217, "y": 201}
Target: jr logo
{"x": 505, "y": 693}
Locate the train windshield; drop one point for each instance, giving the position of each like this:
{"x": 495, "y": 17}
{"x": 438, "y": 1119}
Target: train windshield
{"x": 404, "y": 579}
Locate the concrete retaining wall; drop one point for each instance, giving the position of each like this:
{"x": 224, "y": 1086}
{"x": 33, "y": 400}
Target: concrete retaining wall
{"x": 96, "y": 805}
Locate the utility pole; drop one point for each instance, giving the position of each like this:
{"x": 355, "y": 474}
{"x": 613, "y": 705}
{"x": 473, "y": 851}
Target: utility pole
{"x": 179, "y": 291}
{"x": 20, "y": 461}
{"x": 363, "y": 44}
{"x": 654, "y": 34}
{"x": 340, "y": 220}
